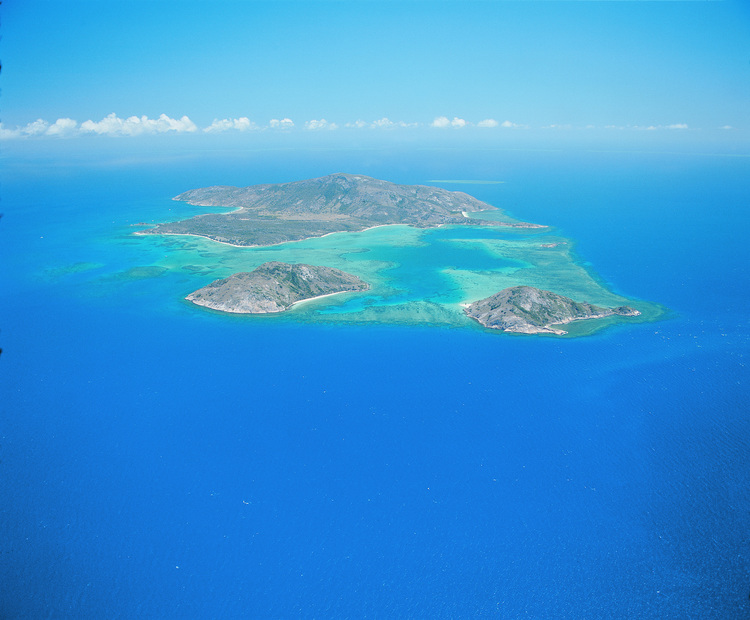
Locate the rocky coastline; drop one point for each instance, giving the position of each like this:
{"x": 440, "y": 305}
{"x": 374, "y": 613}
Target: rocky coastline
{"x": 529, "y": 310}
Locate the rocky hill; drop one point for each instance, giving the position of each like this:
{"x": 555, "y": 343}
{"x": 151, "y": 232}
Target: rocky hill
{"x": 274, "y": 287}
{"x": 529, "y": 310}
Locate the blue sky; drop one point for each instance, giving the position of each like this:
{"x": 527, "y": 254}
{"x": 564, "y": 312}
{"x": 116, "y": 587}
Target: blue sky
{"x": 341, "y": 67}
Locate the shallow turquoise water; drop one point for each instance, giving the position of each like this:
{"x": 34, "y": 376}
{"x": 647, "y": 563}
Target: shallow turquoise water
{"x": 417, "y": 268}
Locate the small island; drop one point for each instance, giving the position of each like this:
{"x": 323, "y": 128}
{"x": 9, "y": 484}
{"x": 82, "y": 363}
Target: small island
{"x": 274, "y": 287}
{"x": 529, "y": 310}
{"x": 272, "y": 214}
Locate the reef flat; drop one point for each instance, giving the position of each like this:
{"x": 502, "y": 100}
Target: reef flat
{"x": 426, "y": 255}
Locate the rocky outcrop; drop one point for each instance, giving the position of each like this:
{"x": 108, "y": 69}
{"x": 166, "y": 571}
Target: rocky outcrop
{"x": 529, "y": 310}
{"x": 274, "y": 287}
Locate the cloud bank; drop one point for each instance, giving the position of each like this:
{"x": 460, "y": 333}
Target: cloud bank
{"x": 113, "y": 125}
{"x": 39, "y": 127}
{"x": 110, "y": 125}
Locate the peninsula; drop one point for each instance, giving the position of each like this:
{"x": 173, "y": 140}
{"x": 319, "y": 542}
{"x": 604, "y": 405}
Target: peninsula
{"x": 274, "y": 287}
{"x": 529, "y": 310}
{"x": 271, "y": 214}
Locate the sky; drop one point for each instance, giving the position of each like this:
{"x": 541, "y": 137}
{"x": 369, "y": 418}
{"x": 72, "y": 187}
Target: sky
{"x": 484, "y": 69}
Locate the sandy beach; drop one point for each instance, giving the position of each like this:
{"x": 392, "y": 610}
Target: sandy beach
{"x": 302, "y": 301}
{"x": 237, "y": 245}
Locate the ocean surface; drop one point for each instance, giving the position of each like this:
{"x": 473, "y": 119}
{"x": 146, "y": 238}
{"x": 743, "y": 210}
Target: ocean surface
{"x": 160, "y": 460}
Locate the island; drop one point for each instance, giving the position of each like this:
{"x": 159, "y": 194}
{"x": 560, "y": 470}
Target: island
{"x": 274, "y": 287}
{"x": 529, "y": 310}
{"x": 272, "y": 214}
{"x": 424, "y": 254}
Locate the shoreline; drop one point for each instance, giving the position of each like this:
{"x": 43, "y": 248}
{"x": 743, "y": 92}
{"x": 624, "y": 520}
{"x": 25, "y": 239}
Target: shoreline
{"x": 193, "y": 204}
{"x": 142, "y": 233}
{"x": 145, "y": 233}
{"x": 289, "y": 307}
{"x": 302, "y": 301}
{"x": 548, "y": 328}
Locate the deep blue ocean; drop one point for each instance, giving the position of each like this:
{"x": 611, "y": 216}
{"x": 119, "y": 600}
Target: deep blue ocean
{"x": 158, "y": 460}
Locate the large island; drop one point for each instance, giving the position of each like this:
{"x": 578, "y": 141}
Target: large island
{"x": 273, "y": 214}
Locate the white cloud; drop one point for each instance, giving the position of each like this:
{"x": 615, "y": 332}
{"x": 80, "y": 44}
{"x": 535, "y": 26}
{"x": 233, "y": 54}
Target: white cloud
{"x": 164, "y": 123}
{"x": 383, "y": 123}
{"x": 112, "y": 125}
{"x": 39, "y": 127}
{"x": 358, "y": 124}
{"x": 386, "y": 123}
{"x": 320, "y": 124}
{"x": 284, "y": 123}
{"x": 659, "y": 127}
{"x": 442, "y": 121}
{"x": 8, "y": 134}
{"x": 62, "y": 127}
{"x": 726, "y": 127}
{"x": 36, "y": 128}
{"x": 508, "y": 124}
{"x": 239, "y": 124}
{"x": 488, "y": 122}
